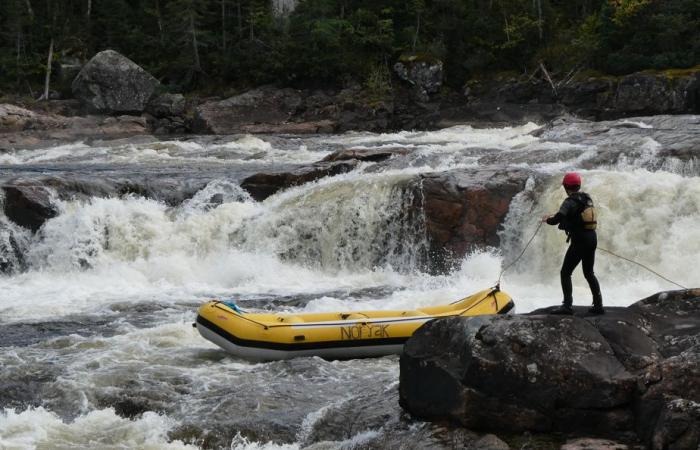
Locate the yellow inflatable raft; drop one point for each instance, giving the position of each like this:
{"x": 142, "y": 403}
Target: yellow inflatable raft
{"x": 333, "y": 335}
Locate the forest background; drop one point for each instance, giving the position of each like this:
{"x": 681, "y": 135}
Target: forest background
{"x": 209, "y": 46}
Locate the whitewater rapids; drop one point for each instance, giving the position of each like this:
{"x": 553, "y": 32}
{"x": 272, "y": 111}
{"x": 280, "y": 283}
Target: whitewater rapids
{"x": 97, "y": 344}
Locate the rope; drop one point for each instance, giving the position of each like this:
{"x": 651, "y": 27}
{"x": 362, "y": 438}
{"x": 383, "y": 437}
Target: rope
{"x": 599, "y": 248}
{"x": 498, "y": 283}
{"x": 643, "y": 266}
{"x": 287, "y": 325}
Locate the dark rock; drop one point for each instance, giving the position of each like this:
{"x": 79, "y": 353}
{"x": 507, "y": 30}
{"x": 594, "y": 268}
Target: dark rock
{"x": 464, "y": 209}
{"x": 423, "y": 73}
{"x": 642, "y": 93}
{"x": 166, "y": 105}
{"x": 262, "y": 185}
{"x": 112, "y": 83}
{"x": 629, "y": 374}
{"x": 503, "y": 374}
{"x": 28, "y": 206}
{"x": 678, "y": 426}
{"x": 264, "y": 105}
{"x": 366, "y": 154}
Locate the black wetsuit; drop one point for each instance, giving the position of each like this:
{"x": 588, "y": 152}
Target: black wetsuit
{"x": 582, "y": 248}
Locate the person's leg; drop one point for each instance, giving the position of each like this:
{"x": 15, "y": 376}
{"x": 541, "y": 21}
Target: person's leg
{"x": 588, "y": 263}
{"x": 571, "y": 260}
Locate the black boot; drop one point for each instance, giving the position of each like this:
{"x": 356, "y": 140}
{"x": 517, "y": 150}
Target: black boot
{"x": 597, "y": 307}
{"x": 563, "y": 310}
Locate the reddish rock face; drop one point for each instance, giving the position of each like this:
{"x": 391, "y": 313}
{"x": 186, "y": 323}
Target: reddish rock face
{"x": 464, "y": 209}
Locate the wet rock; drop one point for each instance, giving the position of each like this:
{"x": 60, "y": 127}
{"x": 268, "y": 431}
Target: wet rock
{"x": 264, "y": 105}
{"x": 262, "y": 185}
{"x": 425, "y": 73}
{"x": 28, "y": 206}
{"x": 112, "y": 83}
{"x": 464, "y": 209}
{"x": 14, "y": 118}
{"x": 593, "y": 444}
{"x": 366, "y": 154}
{"x": 629, "y": 374}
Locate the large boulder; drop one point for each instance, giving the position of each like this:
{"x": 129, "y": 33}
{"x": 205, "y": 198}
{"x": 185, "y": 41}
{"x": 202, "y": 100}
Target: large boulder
{"x": 28, "y": 205}
{"x": 112, "y": 83}
{"x": 241, "y": 113}
{"x": 463, "y": 209}
{"x": 630, "y": 374}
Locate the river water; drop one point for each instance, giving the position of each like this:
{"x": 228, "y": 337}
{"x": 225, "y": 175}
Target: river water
{"x": 96, "y": 344}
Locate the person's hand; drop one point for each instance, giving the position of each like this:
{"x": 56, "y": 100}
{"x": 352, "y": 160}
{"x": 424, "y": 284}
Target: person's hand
{"x": 544, "y": 218}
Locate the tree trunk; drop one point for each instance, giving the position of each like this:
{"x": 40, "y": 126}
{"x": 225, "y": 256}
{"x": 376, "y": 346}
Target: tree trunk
{"x": 197, "y": 65}
{"x": 223, "y": 25}
{"x": 252, "y": 23}
{"x": 19, "y": 51}
{"x": 160, "y": 23}
{"x": 240, "y": 20}
{"x": 30, "y": 11}
{"x": 539, "y": 17}
{"x": 415, "y": 36}
{"x": 47, "y": 82}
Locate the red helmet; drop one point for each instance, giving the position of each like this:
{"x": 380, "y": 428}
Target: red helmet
{"x": 571, "y": 179}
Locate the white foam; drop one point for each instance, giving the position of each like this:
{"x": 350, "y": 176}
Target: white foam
{"x": 38, "y": 428}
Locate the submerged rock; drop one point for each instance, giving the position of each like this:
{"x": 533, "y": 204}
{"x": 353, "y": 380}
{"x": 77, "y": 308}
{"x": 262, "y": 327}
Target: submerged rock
{"x": 262, "y": 185}
{"x": 112, "y": 83}
{"x": 630, "y": 373}
{"x": 366, "y": 154}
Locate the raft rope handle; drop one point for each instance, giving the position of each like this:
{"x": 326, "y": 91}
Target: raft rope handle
{"x": 498, "y": 283}
{"x": 242, "y": 315}
{"x": 643, "y": 266}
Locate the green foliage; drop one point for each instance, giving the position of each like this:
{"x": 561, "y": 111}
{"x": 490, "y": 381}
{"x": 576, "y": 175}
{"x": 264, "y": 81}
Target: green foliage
{"x": 211, "y": 45}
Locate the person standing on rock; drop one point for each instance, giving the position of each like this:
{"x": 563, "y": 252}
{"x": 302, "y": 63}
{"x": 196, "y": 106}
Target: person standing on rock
{"x": 577, "y": 217}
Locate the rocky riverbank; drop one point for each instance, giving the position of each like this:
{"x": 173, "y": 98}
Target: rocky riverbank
{"x": 630, "y": 375}
{"x": 113, "y": 97}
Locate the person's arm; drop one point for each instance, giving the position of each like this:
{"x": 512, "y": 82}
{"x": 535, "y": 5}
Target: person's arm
{"x": 559, "y": 216}
{"x": 555, "y": 219}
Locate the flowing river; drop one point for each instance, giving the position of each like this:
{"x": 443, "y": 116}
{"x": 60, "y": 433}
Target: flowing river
{"x": 96, "y": 343}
